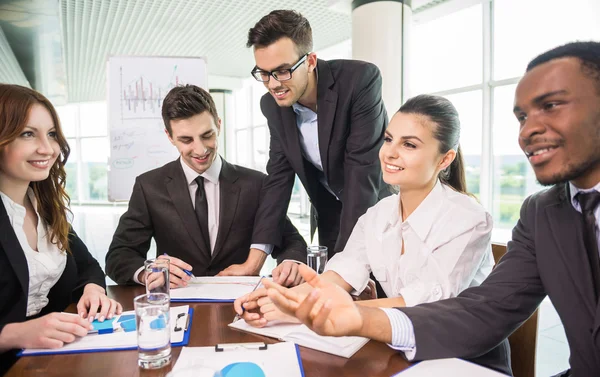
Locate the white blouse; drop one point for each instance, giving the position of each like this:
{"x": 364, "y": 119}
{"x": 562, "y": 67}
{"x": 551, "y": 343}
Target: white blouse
{"x": 447, "y": 247}
{"x": 45, "y": 265}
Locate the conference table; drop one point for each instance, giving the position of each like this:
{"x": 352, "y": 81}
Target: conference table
{"x": 209, "y": 327}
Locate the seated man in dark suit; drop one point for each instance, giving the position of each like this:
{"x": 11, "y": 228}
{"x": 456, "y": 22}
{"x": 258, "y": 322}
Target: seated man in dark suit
{"x": 199, "y": 209}
{"x": 554, "y": 246}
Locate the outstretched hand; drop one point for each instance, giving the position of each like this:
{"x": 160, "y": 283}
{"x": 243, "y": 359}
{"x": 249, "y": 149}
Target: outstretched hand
{"x": 327, "y": 310}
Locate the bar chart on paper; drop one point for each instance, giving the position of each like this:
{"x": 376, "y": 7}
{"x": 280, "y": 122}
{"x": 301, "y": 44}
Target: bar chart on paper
{"x": 136, "y": 90}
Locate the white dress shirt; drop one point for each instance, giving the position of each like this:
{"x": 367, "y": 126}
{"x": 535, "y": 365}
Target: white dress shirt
{"x": 446, "y": 247}
{"x": 403, "y": 333}
{"x": 211, "y": 189}
{"x": 308, "y": 125}
{"x": 46, "y": 265}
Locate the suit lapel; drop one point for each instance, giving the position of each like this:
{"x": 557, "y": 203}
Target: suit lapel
{"x": 13, "y": 250}
{"x": 290, "y": 128}
{"x": 229, "y": 193}
{"x": 180, "y": 196}
{"x": 567, "y": 231}
{"x": 326, "y": 107}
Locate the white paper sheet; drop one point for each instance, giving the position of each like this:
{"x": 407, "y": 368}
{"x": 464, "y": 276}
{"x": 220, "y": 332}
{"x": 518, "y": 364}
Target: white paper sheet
{"x": 216, "y": 288}
{"x": 448, "y": 368}
{"x": 116, "y": 340}
{"x": 277, "y": 360}
{"x": 344, "y": 346}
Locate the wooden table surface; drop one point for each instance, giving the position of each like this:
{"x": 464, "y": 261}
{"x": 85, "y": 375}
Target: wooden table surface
{"x": 209, "y": 327}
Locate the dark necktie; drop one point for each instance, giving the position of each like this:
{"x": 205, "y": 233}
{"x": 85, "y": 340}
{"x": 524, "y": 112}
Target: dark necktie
{"x": 202, "y": 210}
{"x": 589, "y": 201}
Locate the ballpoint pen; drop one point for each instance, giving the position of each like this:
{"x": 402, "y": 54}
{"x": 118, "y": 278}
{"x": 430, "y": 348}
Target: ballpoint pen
{"x": 238, "y": 316}
{"x": 187, "y": 272}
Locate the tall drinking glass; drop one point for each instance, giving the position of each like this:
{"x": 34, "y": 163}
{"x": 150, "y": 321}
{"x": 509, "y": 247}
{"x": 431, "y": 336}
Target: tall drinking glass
{"x": 157, "y": 276}
{"x": 153, "y": 330}
{"x": 316, "y": 258}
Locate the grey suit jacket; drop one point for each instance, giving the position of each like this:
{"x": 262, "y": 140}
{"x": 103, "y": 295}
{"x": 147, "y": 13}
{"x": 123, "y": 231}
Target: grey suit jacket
{"x": 351, "y": 125}
{"x": 160, "y": 207}
{"x": 546, "y": 256}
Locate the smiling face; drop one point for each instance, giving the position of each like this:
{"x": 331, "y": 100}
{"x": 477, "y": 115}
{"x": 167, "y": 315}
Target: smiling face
{"x": 30, "y": 156}
{"x": 558, "y": 108}
{"x": 283, "y": 54}
{"x": 410, "y": 156}
{"x": 196, "y": 140}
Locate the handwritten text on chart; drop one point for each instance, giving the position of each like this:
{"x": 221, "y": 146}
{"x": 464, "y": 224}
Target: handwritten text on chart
{"x": 123, "y": 163}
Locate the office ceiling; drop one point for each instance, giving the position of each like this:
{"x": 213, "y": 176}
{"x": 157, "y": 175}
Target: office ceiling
{"x": 62, "y": 45}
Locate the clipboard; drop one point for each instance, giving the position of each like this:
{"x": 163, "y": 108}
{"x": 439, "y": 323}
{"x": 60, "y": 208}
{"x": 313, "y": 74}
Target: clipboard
{"x": 271, "y": 358}
{"x": 215, "y": 289}
{"x": 184, "y": 342}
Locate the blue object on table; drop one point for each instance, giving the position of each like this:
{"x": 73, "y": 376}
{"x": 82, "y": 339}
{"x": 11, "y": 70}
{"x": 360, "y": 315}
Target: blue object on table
{"x": 105, "y": 327}
{"x": 244, "y": 369}
{"x": 159, "y": 323}
{"x": 126, "y": 317}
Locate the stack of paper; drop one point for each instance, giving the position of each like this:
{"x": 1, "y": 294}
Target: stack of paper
{"x": 275, "y": 361}
{"x": 448, "y": 368}
{"x": 344, "y": 346}
{"x": 215, "y": 289}
{"x": 118, "y": 340}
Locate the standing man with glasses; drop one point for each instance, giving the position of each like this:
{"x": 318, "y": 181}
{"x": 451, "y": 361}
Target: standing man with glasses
{"x": 327, "y": 122}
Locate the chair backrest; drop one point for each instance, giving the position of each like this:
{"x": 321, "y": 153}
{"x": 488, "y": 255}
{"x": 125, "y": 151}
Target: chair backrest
{"x": 523, "y": 340}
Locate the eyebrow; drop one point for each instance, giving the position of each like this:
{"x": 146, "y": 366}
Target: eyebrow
{"x": 411, "y": 137}
{"x": 539, "y": 99}
{"x": 281, "y": 66}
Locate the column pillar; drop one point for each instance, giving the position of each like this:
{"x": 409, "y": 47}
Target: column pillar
{"x": 379, "y": 34}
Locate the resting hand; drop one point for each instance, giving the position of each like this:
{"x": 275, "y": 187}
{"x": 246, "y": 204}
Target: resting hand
{"x": 94, "y": 303}
{"x": 50, "y": 331}
{"x": 327, "y": 310}
{"x": 286, "y": 274}
{"x": 177, "y": 278}
{"x": 259, "y": 310}
{"x": 239, "y": 270}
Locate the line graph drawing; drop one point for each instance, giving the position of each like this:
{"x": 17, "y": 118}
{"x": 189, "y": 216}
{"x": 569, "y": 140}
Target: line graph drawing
{"x": 142, "y": 98}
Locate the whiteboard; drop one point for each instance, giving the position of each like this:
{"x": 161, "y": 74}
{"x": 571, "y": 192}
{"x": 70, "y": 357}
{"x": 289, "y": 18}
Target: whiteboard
{"x": 136, "y": 89}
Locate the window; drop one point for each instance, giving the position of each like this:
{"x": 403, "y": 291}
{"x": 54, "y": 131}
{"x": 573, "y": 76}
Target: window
{"x": 456, "y": 53}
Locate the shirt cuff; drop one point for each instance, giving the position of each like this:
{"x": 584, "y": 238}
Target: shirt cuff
{"x": 267, "y": 248}
{"x": 136, "y": 274}
{"x": 403, "y": 332}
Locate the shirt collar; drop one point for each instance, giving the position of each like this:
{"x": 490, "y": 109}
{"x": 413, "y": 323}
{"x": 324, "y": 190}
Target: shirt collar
{"x": 574, "y": 190}
{"x": 16, "y": 208}
{"x": 421, "y": 219}
{"x": 211, "y": 174}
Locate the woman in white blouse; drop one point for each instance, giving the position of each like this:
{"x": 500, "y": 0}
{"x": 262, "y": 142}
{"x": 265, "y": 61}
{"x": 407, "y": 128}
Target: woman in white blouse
{"x": 44, "y": 266}
{"x": 429, "y": 242}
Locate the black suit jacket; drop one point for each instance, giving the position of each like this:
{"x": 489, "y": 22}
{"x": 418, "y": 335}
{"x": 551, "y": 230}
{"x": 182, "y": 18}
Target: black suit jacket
{"x": 160, "y": 208}
{"x": 546, "y": 256}
{"x": 351, "y": 125}
{"x": 81, "y": 269}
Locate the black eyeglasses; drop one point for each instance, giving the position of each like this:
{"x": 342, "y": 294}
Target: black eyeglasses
{"x": 278, "y": 74}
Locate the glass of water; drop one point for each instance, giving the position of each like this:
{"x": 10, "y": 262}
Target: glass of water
{"x": 153, "y": 330}
{"x": 316, "y": 258}
{"x": 157, "y": 276}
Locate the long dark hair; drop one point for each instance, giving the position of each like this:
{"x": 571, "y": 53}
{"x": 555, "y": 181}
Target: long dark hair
{"x": 53, "y": 202}
{"x": 447, "y": 131}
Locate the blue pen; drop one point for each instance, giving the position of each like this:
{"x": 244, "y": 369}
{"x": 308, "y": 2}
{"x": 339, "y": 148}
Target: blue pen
{"x": 238, "y": 316}
{"x": 187, "y": 272}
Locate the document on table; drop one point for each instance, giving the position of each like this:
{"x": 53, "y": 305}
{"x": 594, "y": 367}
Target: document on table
{"x": 215, "y": 289}
{"x": 118, "y": 340}
{"x": 344, "y": 346}
{"x": 448, "y": 368}
{"x": 276, "y": 360}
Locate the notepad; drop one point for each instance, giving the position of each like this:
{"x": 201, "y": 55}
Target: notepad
{"x": 121, "y": 340}
{"x": 448, "y": 368}
{"x": 344, "y": 346}
{"x": 215, "y": 289}
{"x": 281, "y": 359}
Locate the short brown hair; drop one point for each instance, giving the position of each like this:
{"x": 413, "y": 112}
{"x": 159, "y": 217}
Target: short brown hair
{"x": 184, "y": 102}
{"x": 53, "y": 201}
{"x": 279, "y": 24}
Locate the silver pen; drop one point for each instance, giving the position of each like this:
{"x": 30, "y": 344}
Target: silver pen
{"x": 239, "y": 316}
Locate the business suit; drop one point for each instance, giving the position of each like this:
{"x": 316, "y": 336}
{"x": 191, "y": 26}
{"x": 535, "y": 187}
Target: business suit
{"x": 546, "y": 256}
{"x": 160, "y": 207}
{"x": 81, "y": 268}
{"x": 351, "y": 123}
